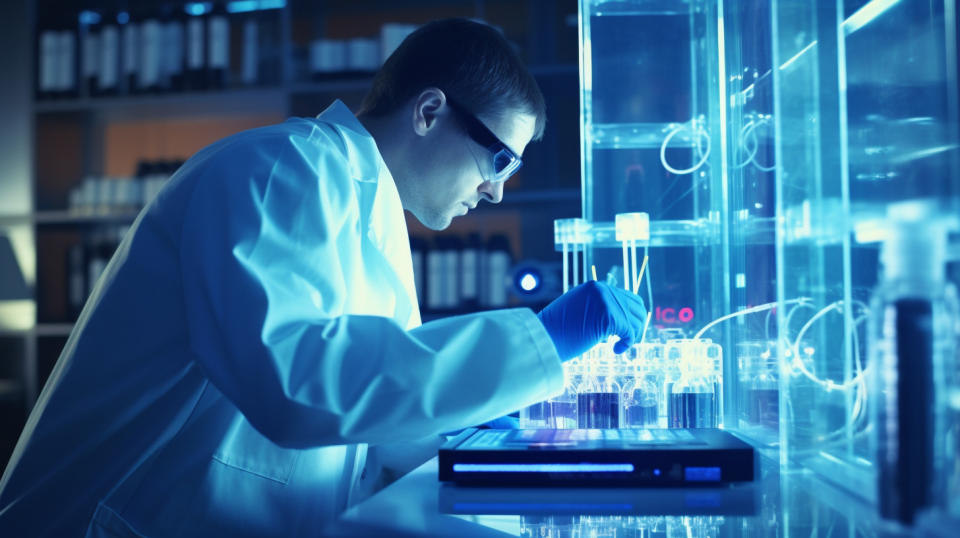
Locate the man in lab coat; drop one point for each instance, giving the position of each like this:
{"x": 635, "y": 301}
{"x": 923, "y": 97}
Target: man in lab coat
{"x": 257, "y": 330}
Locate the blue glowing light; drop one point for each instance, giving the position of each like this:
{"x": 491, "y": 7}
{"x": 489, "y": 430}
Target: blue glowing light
{"x": 543, "y": 467}
{"x": 244, "y": 6}
{"x": 87, "y": 18}
{"x": 702, "y": 474}
{"x": 198, "y": 8}
{"x": 123, "y": 17}
{"x": 870, "y": 11}
{"x": 529, "y": 282}
{"x": 656, "y": 472}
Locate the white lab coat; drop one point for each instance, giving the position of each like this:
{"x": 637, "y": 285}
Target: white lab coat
{"x": 258, "y": 327}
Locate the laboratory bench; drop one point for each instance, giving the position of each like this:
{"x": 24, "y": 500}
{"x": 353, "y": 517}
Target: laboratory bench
{"x": 780, "y": 502}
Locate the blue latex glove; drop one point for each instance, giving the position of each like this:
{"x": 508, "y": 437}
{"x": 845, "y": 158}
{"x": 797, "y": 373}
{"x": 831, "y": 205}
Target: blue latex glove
{"x": 591, "y": 312}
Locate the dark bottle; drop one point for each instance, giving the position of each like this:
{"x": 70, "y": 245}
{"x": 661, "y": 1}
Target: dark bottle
{"x": 218, "y": 48}
{"x": 196, "y": 50}
{"x": 88, "y": 30}
{"x": 48, "y": 46}
{"x": 66, "y": 85}
{"x": 174, "y": 40}
{"x": 151, "y": 37}
{"x": 129, "y": 50}
{"x": 108, "y": 81}
{"x": 249, "y": 38}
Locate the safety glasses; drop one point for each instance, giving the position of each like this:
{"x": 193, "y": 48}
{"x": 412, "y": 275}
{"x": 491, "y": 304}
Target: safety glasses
{"x": 505, "y": 161}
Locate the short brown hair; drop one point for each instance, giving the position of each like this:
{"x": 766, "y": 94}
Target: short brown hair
{"x": 470, "y": 61}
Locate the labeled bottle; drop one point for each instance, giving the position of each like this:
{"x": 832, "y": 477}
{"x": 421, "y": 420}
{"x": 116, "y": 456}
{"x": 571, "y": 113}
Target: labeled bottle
{"x": 66, "y": 84}
{"x": 196, "y": 50}
{"x": 913, "y": 315}
{"x": 89, "y": 32}
{"x": 151, "y": 59}
{"x": 249, "y": 67}
{"x": 48, "y": 48}
{"x": 470, "y": 260}
{"x": 130, "y": 51}
{"x": 497, "y": 273}
{"x": 108, "y": 79}
{"x": 173, "y": 22}
{"x": 218, "y": 48}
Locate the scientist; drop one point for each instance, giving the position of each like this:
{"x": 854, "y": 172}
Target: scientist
{"x": 255, "y": 342}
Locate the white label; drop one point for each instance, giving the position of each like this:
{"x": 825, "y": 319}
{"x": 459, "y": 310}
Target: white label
{"x": 150, "y": 55}
{"x": 468, "y": 274}
{"x": 195, "y": 43}
{"x": 67, "y": 76}
{"x": 131, "y": 49}
{"x": 251, "y": 51}
{"x": 49, "y": 48}
{"x": 109, "y": 39}
{"x": 219, "y": 57}
{"x": 91, "y": 55}
{"x": 173, "y": 48}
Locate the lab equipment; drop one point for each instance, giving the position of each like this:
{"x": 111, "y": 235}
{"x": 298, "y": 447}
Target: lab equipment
{"x": 639, "y": 394}
{"x": 601, "y": 311}
{"x": 598, "y": 397}
{"x": 913, "y": 354}
{"x": 667, "y": 457}
{"x": 693, "y": 397}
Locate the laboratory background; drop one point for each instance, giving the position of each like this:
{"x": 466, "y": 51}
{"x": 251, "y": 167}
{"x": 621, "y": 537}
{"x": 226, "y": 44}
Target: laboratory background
{"x": 779, "y": 180}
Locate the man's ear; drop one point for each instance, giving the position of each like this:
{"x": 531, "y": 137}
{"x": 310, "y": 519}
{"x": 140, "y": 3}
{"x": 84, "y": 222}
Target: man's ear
{"x": 427, "y": 107}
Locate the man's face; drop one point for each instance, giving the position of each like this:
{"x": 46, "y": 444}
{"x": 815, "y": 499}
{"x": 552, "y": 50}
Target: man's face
{"x": 457, "y": 171}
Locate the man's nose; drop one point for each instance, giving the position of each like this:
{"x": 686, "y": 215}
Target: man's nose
{"x": 491, "y": 191}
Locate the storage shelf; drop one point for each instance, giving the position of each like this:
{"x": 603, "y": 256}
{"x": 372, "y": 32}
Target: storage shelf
{"x": 139, "y": 107}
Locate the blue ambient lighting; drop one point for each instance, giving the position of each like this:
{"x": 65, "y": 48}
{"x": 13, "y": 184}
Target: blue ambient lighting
{"x": 701, "y": 474}
{"x": 539, "y": 507}
{"x": 198, "y": 8}
{"x": 543, "y": 467}
{"x": 87, "y": 18}
{"x": 245, "y": 6}
{"x": 123, "y": 17}
{"x": 656, "y": 472}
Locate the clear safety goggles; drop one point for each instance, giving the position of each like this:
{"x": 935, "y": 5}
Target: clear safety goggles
{"x": 505, "y": 161}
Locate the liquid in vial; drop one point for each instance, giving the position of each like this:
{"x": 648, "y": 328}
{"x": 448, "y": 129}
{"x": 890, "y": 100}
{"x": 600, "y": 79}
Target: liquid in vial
{"x": 598, "y": 410}
{"x": 564, "y": 414}
{"x": 641, "y": 416}
{"x": 691, "y": 410}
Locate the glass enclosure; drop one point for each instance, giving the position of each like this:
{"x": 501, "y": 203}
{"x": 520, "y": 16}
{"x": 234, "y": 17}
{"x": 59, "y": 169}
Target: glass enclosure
{"x": 746, "y": 158}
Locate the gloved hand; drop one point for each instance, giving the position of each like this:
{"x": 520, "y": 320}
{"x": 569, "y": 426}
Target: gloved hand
{"x": 591, "y": 312}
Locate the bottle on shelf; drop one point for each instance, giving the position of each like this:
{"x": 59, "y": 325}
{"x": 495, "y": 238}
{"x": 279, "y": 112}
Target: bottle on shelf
{"x": 496, "y": 272}
{"x": 65, "y": 83}
{"x": 173, "y": 22}
{"x": 470, "y": 261}
{"x": 89, "y": 29}
{"x": 108, "y": 79}
{"x": 196, "y": 50}
{"x": 151, "y": 48}
{"x": 129, "y": 50}
{"x": 218, "y": 48}
{"x": 48, "y": 50}
{"x": 249, "y": 39}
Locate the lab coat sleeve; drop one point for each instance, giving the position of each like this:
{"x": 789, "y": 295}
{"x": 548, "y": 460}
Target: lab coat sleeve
{"x": 260, "y": 252}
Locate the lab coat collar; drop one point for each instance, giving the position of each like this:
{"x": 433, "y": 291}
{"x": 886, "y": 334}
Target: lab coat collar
{"x": 364, "y": 156}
